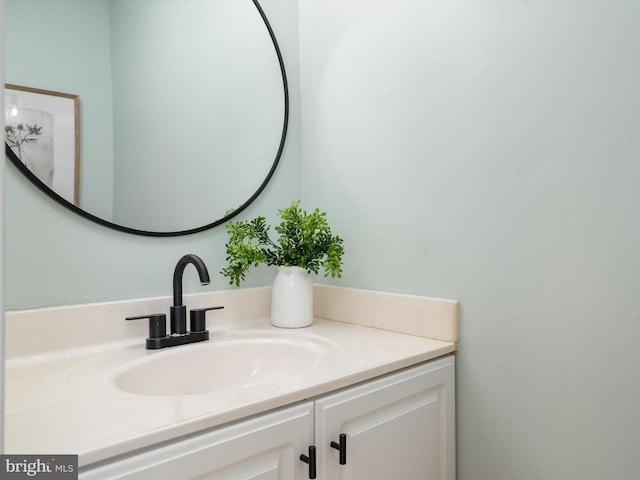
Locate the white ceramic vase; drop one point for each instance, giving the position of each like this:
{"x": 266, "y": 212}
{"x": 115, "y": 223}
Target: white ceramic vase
{"x": 292, "y": 298}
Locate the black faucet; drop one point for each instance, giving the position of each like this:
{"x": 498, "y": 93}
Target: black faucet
{"x": 178, "y": 312}
{"x": 158, "y": 337}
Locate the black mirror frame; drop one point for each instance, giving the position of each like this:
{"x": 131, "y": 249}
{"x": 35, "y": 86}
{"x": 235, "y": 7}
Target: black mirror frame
{"x": 54, "y": 196}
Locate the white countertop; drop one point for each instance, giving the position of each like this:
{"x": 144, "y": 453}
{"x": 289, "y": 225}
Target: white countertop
{"x": 67, "y": 401}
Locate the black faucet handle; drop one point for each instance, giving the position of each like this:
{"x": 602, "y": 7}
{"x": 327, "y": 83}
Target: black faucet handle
{"x": 198, "y": 319}
{"x": 157, "y": 324}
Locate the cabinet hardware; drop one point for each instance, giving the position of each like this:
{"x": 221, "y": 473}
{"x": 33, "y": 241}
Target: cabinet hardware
{"x": 311, "y": 460}
{"x": 342, "y": 448}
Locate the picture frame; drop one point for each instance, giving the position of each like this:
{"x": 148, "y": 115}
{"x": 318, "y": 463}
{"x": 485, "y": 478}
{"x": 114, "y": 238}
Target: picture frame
{"x": 42, "y": 129}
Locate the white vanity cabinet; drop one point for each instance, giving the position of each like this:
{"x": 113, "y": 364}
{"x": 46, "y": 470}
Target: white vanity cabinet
{"x": 266, "y": 447}
{"x": 400, "y": 426}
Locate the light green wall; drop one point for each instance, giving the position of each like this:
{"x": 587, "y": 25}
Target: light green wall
{"x": 483, "y": 151}
{"x": 54, "y": 257}
{"x": 198, "y": 110}
{"x": 43, "y": 51}
{"x": 488, "y": 152}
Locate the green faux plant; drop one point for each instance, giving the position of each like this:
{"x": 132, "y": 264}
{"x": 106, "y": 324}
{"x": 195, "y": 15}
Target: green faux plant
{"x": 305, "y": 241}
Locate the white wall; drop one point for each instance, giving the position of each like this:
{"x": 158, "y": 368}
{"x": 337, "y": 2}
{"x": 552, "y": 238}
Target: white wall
{"x": 488, "y": 152}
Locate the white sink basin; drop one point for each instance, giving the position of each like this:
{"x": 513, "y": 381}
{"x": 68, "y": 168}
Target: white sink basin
{"x": 214, "y": 366}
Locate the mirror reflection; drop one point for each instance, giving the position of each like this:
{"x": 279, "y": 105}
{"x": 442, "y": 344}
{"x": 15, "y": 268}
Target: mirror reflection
{"x": 181, "y": 102}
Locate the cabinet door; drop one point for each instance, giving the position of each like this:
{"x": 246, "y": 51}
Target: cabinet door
{"x": 401, "y": 427}
{"x": 267, "y": 447}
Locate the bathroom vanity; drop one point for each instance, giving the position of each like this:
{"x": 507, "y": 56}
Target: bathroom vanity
{"x": 335, "y": 400}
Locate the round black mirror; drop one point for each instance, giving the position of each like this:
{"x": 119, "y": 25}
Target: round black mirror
{"x": 198, "y": 109}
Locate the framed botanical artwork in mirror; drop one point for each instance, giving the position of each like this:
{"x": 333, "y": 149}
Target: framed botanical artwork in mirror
{"x": 42, "y": 130}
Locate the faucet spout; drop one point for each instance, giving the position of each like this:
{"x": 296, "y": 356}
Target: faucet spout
{"x": 178, "y": 312}
{"x": 203, "y": 273}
